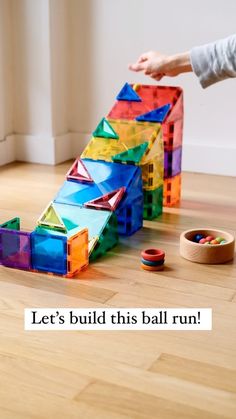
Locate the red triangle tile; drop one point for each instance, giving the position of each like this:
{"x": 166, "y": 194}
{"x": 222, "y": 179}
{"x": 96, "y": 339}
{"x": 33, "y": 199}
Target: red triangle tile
{"x": 79, "y": 172}
{"x": 109, "y": 201}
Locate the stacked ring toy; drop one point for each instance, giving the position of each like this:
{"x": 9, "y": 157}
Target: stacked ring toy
{"x": 152, "y": 259}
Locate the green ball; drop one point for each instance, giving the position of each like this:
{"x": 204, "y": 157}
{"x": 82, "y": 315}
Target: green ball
{"x": 219, "y": 239}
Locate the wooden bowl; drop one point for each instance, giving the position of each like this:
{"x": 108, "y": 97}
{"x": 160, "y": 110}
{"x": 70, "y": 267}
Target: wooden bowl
{"x": 206, "y": 253}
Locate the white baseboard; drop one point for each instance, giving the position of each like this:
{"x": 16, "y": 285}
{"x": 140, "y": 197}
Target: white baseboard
{"x": 70, "y": 145}
{"x": 44, "y": 150}
{"x": 35, "y": 149}
{"x": 62, "y": 148}
{"x": 7, "y": 150}
{"x": 49, "y": 150}
{"x": 209, "y": 159}
{"x": 79, "y": 142}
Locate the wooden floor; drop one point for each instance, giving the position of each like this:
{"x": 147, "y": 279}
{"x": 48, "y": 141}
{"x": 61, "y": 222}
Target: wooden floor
{"x": 111, "y": 375}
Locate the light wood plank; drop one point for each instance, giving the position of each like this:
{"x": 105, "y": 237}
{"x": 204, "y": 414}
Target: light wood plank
{"x": 136, "y": 404}
{"x": 120, "y": 375}
{"x": 202, "y": 373}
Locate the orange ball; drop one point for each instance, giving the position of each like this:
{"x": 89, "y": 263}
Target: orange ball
{"x": 214, "y": 242}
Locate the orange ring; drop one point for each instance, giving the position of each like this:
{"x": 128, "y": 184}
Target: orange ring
{"x": 153, "y": 255}
{"x": 152, "y": 268}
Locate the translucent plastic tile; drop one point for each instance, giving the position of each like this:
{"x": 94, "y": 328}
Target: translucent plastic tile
{"x": 129, "y": 213}
{"x": 109, "y": 201}
{"x": 13, "y": 224}
{"x": 157, "y": 115}
{"x": 77, "y": 252}
{"x": 173, "y": 133}
{"x": 78, "y": 172}
{"x": 56, "y": 254}
{"x": 155, "y": 97}
{"x": 172, "y": 191}
{"x": 172, "y": 162}
{"x": 108, "y": 177}
{"x": 107, "y": 239}
{"x": 152, "y": 97}
{"x": 49, "y": 252}
{"x": 128, "y": 93}
{"x": 94, "y": 220}
{"x": 51, "y": 219}
{"x": 53, "y": 232}
{"x": 100, "y": 223}
{"x": 153, "y": 203}
{"x": 15, "y": 249}
{"x": 104, "y": 172}
{"x": 131, "y": 134}
{"x": 152, "y": 173}
{"x": 93, "y": 241}
{"x": 137, "y": 218}
{"x": 132, "y": 155}
{"x": 105, "y": 130}
{"x": 76, "y": 194}
{"x": 130, "y": 217}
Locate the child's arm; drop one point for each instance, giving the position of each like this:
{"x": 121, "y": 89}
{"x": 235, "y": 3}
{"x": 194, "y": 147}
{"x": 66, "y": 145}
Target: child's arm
{"x": 157, "y": 65}
{"x": 211, "y": 62}
{"x": 215, "y": 62}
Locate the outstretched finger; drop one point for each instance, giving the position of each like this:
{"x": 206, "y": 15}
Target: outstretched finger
{"x": 137, "y": 67}
{"x": 142, "y": 58}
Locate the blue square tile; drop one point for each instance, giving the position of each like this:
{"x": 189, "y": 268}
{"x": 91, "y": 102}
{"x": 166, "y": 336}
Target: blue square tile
{"x": 49, "y": 252}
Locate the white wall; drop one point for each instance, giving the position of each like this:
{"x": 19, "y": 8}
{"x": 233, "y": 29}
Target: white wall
{"x": 62, "y": 63}
{"x": 106, "y": 35}
{"x": 7, "y": 151}
{"x": 31, "y": 55}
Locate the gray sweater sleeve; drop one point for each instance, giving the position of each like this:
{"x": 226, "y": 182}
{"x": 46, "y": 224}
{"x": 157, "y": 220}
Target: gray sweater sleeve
{"x": 214, "y": 62}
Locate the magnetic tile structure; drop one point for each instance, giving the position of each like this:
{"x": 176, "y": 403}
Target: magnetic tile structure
{"x": 15, "y": 248}
{"x": 13, "y": 224}
{"x": 101, "y": 225}
{"x": 143, "y": 140}
{"x": 138, "y": 144}
{"x": 172, "y": 162}
{"x": 43, "y": 250}
{"x": 153, "y": 201}
{"x": 133, "y": 156}
{"x": 59, "y": 254}
{"x": 160, "y": 104}
{"x": 172, "y": 190}
{"x": 114, "y": 188}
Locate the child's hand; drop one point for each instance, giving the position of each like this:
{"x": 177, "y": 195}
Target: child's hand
{"x": 157, "y": 65}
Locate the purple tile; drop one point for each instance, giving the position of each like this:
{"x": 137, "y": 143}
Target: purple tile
{"x": 15, "y": 249}
{"x": 172, "y": 162}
